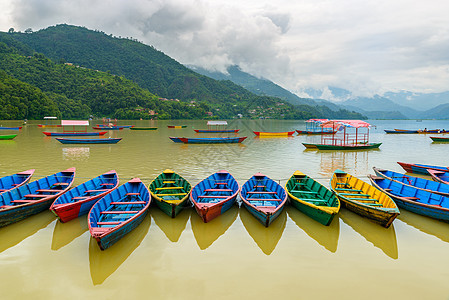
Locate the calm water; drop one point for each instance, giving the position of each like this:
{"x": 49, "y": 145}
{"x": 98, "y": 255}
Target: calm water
{"x": 233, "y": 256}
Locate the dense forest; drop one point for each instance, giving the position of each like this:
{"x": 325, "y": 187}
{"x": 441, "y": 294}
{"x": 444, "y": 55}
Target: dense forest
{"x": 80, "y": 72}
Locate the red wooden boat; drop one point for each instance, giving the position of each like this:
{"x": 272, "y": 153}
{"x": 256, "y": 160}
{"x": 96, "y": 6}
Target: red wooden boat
{"x": 214, "y": 195}
{"x": 420, "y": 168}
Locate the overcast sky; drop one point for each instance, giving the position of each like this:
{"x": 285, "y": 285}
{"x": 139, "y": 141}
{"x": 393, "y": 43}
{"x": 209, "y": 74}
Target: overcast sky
{"x": 367, "y": 47}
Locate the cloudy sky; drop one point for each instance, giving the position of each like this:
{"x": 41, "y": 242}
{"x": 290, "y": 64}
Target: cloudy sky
{"x": 367, "y": 47}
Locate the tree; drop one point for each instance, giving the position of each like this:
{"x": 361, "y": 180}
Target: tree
{"x": 11, "y": 30}
{"x": 28, "y": 30}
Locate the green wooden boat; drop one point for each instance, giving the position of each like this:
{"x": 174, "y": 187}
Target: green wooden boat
{"x": 361, "y": 146}
{"x": 312, "y": 198}
{"x": 7, "y": 136}
{"x": 143, "y": 128}
{"x": 170, "y": 192}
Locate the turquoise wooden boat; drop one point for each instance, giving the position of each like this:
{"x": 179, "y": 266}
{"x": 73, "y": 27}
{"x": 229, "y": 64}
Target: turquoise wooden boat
{"x": 89, "y": 141}
{"x": 312, "y": 198}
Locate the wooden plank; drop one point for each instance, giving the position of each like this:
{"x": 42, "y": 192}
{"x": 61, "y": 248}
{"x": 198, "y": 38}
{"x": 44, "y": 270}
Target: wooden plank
{"x": 23, "y": 201}
{"x": 128, "y": 203}
{"x": 170, "y": 188}
{"x": 257, "y": 199}
{"x": 340, "y": 189}
{"x": 60, "y": 183}
{"x": 349, "y": 194}
{"x": 48, "y": 191}
{"x": 119, "y": 212}
{"x": 111, "y": 184}
{"x": 80, "y": 198}
{"x": 175, "y": 194}
{"x": 109, "y": 223}
{"x": 36, "y": 196}
{"x": 132, "y": 194}
{"x": 201, "y": 196}
{"x": 304, "y": 192}
{"x": 261, "y": 192}
{"x": 218, "y": 190}
{"x": 168, "y": 182}
{"x": 94, "y": 191}
{"x": 221, "y": 183}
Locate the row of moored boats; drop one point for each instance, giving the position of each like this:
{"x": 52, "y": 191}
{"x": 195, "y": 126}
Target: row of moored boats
{"x": 114, "y": 210}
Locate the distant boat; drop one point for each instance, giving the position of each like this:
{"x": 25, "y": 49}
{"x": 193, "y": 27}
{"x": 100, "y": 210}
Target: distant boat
{"x": 312, "y": 198}
{"x": 119, "y": 212}
{"x": 217, "y": 140}
{"x": 214, "y": 195}
{"x": 80, "y": 199}
{"x": 114, "y": 126}
{"x": 13, "y": 181}
{"x": 263, "y": 198}
{"x": 440, "y": 139}
{"x": 107, "y": 128}
{"x": 216, "y": 127}
{"x": 420, "y": 168}
{"x": 362, "y": 146}
{"x": 89, "y": 141}
{"x": 143, "y": 128}
{"x": 322, "y": 132}
{"x": 401, "y": 131}
{"x": 10, "y": 128}
{"x": 177, "y": 126}
{"x": 363, "y": 199}
{"x": 49, "y": 123}
{"x": 170, "y": 192}
{"x": 74, "y": 133}
{"x": 34, "y": 197}
{"x": 408, "y": 131}
{"x": 283, "y": 133}
{"x": 7, "y": 136}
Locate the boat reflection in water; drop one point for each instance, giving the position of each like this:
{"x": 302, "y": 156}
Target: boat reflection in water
{"x": 207, "y": 233}
{"x": 427, "y": 225}
{"x": 171, "y": 227}
{"x": 104, "y": 263}
{"x": 15, "y": 233}
{"x": 65, "y": 233}
{"x": 380, "y": 237}
{"x": 326, "y": 236}
{"x": 76, "y": 153}
{"x": 266, "y": 238}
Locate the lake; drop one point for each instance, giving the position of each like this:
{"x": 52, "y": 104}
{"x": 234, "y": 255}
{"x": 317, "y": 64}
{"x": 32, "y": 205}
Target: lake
{"x": 233, "y": 256}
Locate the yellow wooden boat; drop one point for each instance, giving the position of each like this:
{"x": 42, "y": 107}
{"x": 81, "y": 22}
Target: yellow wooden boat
{"x": 364, "y": 199}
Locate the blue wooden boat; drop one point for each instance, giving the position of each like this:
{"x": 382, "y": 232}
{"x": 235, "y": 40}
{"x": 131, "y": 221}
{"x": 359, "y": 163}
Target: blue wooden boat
{"x": 116, "y": 126}
{"x": 263, "y": 198}
{"x": 420, "y": 168}
{"x": 415, "y": 200}
{"x": 439, "y": 176}
{"x": 89, "y": 141}
{"x": 13, "y": 181}
{"x": 97, "y": 133}
{"x": 419, "y": 183}
{"x": 401, "y": 131}
{"x": 10, "y": 128}
{"x": 119, "y": 212}
{"x": 34, "y": 197}
{"x": 214, "y": 140}
{"x": 214, "y": 195}
{"x": 79, "y": 200}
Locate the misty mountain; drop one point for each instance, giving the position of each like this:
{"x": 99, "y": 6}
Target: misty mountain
{"x": 418, "y": 101}
{"x": 439, "y": 112}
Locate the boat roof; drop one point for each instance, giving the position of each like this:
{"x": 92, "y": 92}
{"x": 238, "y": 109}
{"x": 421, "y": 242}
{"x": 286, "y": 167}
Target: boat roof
{"x": 318, "y": 120}
{"x": 50, "y": 118}
{"x": 217, "y": 123}
{"x": 346, "y": 123}
{"x": 74, "y": 123}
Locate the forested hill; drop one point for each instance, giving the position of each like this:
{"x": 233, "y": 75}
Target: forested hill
{"x": 160, "y": 74}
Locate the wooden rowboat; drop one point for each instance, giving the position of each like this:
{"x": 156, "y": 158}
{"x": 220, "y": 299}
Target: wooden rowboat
{"x": 79, "y": 200}
{"x": 143, "y": 128}
{"x": 343, "y": 147}
{"x": 108, "y": 128}
{"x": 177, "y": 126}
{"x": 440, "y": 139}
{"x": 416, "y": 182}
{"x": 317, "y": 132}
{"x": 439, "y": 176}
{"x": 415, "y": 200}
{"x": 217, "y": 140}
{"x": 396, "y": 131}
{"x": 364, "y": 199}
{"x": 216, "y": 130}
{"x": 89, "y": 141}
{"x": 47, "y": 133}
{"x": 214, "y": 195}
{"x": 170, "y": 192}
{"x": 284, "y": 133}
{"x": 34, "y": 197}
{"x": 14, "y": 181}
{"x": 7, "y": 136}
{"x": 119, "y": 212}
{"x": 263, "y": 198}
{"x": 420, "y": 168}
{"x": 10, "y": 128}
{"x": 312, "y": 198}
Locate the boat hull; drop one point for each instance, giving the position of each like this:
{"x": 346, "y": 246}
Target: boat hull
{"x": 216, "y": 130}
{"x": 108, "y": 128}
{"x": 219, "y": 140}
{"x": 143, "y": 128}
{"x": 348, "y": 147}
{"x": 309, "y": 132}
{"x": 74, "y": 133}
{"x": 284, "y": 133}
{"x": 89, "y": 141}
{"x": 440, "y": 139}
{"x": 10, "y": 128}
{"x": 7, "y": 136}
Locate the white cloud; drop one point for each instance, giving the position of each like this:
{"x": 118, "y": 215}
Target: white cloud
{"x": 364, "y": 46}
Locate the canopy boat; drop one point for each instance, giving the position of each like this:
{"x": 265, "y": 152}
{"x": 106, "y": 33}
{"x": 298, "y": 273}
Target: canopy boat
{"x": 215, "y": 140}
{"x": 109, "y": 124}
{"x": 439, "y": 176}
{"x": 49, "y": 122}
{"x": 214, "y": 195}
{"x": 313, "y": 127}
{"x": 170, "y": 192}
{"x": 363, "y": 199}
{"x": 143, "y": 128}
{"x": 89, "y": 141}
{"x": 177, "y": 126}
{"x": 312, "y": 198}
{"x": 34, "y": 197}
{"x": 14, "y": 181}
{"x": 415, "y": 200}
{"x": 346, "y": 140}
{"x": 79, "y": 200}
{"x": 119, "y": 212}
{"x": 266, "y": 133}
{"x": 416, "y": 182}
{"x": 10, "y": 128}
{"x": 442, "y": 139}
{"x": 68, "y": 127}
{"x": 264, "y": 198}
{"x": 7, "y": 136}
{"x": 216, "y": 127}
{"x": 420, "y": 168}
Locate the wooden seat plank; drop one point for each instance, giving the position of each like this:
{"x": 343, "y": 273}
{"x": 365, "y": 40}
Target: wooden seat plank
{"x": 109, "y": 223}
{"x": 175, "y": 194}
{"x": 119, "y": 212}
{"x": 202, "y": 196}
{"x": 169, "y": 188}
{"x": 257, "y": 199}
{"x": 48, "y": 191}
{"x": 261, "y": 192}
{"x": 218, "y": 190}
{"x": 36, "y": 196}
{"x": 132, "y": 194}
{"x": 128, "y": 203}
